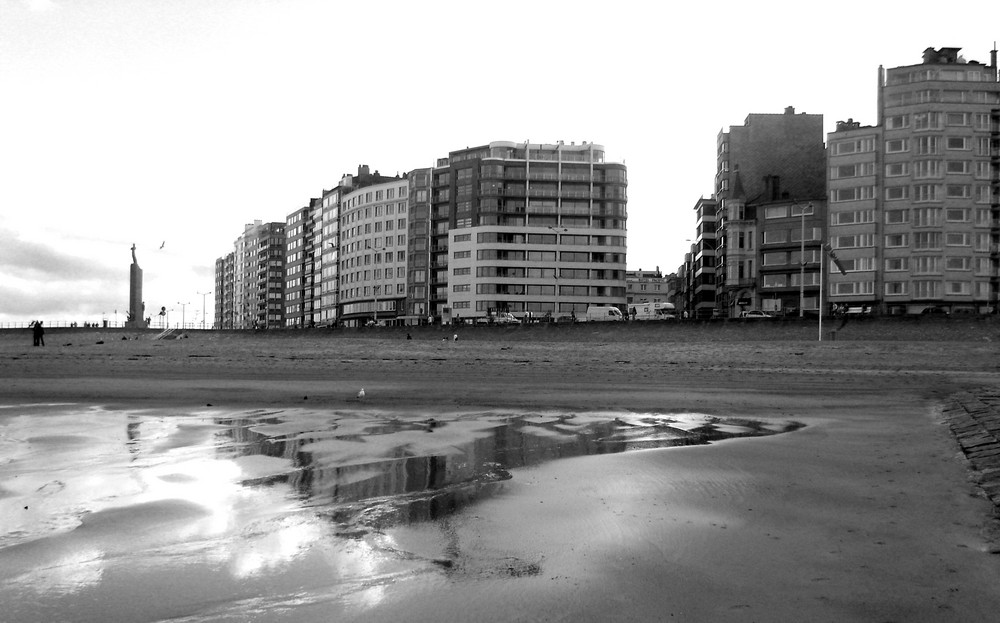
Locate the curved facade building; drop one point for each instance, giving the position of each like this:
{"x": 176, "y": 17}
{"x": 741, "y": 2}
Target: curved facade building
{"x": 372, "y": 258}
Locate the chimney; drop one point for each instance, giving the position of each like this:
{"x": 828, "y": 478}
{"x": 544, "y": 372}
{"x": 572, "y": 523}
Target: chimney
{"x": 790, "y": 110}
{"x": 362, "y": 170}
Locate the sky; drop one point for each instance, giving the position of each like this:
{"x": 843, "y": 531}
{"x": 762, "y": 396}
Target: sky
{"x": 171, "y": 125}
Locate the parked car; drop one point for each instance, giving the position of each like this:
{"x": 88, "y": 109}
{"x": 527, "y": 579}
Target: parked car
{"x": 755, "y": 314}
{"x": 934, "y": 310}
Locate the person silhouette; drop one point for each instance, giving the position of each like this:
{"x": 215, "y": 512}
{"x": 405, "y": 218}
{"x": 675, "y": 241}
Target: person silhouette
{"x": 37, "y": 332}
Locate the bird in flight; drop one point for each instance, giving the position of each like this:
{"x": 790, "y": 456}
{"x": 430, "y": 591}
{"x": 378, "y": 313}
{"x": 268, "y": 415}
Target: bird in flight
{"x": 162, "y": 244}
{"x": 361, "y": 394}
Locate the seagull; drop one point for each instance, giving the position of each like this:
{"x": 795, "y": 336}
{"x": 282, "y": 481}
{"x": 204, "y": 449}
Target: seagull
{"x": 162, "y": 244}
{"x": 361, "y": 394}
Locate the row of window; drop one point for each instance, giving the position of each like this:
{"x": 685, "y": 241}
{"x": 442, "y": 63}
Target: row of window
{"x": 920, "y": 169}
{"x": 918, "y": 193}
{"x": 919, "y": 289}
{"x": 920, "y": 217}
{"x": 946, "y": 96}
{"x": 919, "y": 145}
{"x": 936, "y": 120}
{"x": 505, "y": 289}
{"x": 922, "y": 240}
{"x": 368, "y": 275}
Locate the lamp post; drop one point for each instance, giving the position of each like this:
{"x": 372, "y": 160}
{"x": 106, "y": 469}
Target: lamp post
{"x": 802, "y": 259}
{"x": 555, "y": 272}
{"x": 203, "y": 295}
{"x": 183, "y": 309}
{"x": 375, "y": 285}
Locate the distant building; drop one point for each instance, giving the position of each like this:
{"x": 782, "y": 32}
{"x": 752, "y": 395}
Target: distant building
{"x": 223, "y": 293}
{"x": 258, "y": 277}
{"x": 915, "y": 199}
{"x": 647, "y": 286}
{"x": 698, "y": 278}
{"x": 770, "y": 186}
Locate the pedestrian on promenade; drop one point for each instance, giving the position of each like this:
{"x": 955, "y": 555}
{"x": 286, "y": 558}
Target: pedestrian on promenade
{"x": 37, "y": 333}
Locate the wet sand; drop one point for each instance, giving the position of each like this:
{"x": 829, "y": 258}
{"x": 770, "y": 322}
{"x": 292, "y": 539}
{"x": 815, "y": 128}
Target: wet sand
{"x": 867, "y": 513}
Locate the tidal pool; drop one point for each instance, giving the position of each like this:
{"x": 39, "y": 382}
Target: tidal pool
{"x": 211, "y": 515}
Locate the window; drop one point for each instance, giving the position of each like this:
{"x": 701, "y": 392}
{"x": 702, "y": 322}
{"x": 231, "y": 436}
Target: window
{"x": 895, "y": 193}
{"x": 895, "y": 217}
{"x": 895, "y": 288}
{"x": 926, "y": 217}
{"x": 926, "y": 265}
{"x": 958, "y": 239}
{"x": 860, "y": 145}
{"x": 926, "y": 289}
{"x": 958, "y": 263}
{"x": 927, "y": 121}
{"x": 927, "y": 240}
{"x": 957, "y": 118}
{"x": 927, "y": 168}
{"x": 462, "y": 271}
{"x": 853, "y": 287}
{"x": 775, "y": 236}
{"x": 460, "y": 287}
{"x": 896, "y": 146}
{"x": 896, "y": 264}
{"x": 958, "y": 142}
{"x": 896, "y": 240}
{"x": 957, "y": 215}
{"x": 897, "y": 122}
{"x": 849, "y": 218}
{"x": 463, "y": 237}
{"x": 775, "y": 211}
{"x": 958, "y": 287}
{"x": 928, "y": 145}
{"x": 958, "y": 166}
{"x": 897, "y": 169}
{"x": 851, "y": 242}
{"x": 925, "y": 192}
{"x": 775, "y": 259}
{"x": 958, "y": 191}
{"x": 458, "y": 255}
{"x": 776, "y": 281}
{"x": 852, "y": 194}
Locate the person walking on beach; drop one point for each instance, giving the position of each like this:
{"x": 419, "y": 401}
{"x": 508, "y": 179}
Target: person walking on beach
{"x": 37, "y": 332}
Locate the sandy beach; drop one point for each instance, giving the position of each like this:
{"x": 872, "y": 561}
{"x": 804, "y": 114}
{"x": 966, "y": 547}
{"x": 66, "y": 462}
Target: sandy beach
{"x": 228, "y": 477}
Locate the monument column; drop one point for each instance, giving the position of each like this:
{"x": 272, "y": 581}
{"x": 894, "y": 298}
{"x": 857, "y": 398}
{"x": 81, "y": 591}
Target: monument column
{"x": 135, "y": 305}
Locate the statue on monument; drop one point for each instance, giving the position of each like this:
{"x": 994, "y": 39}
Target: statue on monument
{"x": 135, "y": 304}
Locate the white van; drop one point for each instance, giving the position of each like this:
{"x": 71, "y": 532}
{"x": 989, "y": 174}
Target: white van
{"x": 603, "y": 313}
{"x": 655, "y": 311}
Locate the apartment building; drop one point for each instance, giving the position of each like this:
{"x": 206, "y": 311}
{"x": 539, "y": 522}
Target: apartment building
{"x": 257, "y": 277}
{"x": 373, "y": 252}
{"x": 303, "y": 240}
{"x": 225, "y": 267}
{"x": 770, "y": 175}
{"x": 915, "y": 200}
{"x": 699, "y": 277}
{"x": 525, "y": 228}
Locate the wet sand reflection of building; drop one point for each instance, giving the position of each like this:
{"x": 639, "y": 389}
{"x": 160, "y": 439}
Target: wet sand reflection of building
{"x": 407, "y": 485}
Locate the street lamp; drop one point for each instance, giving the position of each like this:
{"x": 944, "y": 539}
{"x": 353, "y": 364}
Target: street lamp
{"x": 203, "y": 295}
{"x": 555, "y": 272}
{"x": 375, "y": 285}
{"x": 183, "y": 308}
{"x": 802, "y": 259}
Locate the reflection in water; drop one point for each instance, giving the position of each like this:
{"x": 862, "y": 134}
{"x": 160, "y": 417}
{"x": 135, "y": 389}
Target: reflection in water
{"x": 372, "y": 472}
{"x": 217, "y": 510}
